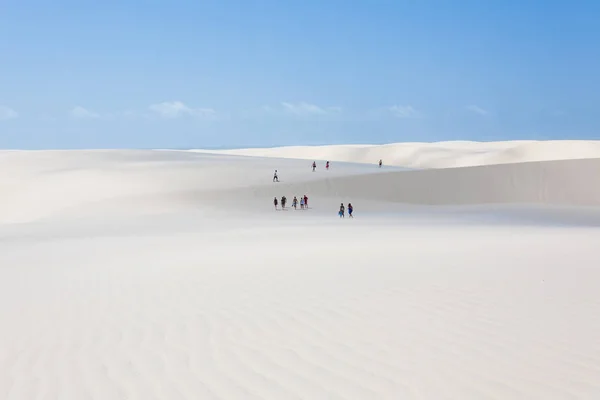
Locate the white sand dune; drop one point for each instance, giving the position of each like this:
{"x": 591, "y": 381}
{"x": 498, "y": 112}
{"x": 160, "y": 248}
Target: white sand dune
{"x": 168, "y": 275}
{"x": 435, "y": 155}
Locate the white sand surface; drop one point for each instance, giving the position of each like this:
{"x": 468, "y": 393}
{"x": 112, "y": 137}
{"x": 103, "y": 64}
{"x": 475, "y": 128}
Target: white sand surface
{"x": 435, "y": 155}
{"x": 169, "y": 275}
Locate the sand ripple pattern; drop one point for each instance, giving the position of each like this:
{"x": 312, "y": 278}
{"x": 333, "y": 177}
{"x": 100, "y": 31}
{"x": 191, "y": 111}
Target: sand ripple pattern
{"x": 264, "y": 316}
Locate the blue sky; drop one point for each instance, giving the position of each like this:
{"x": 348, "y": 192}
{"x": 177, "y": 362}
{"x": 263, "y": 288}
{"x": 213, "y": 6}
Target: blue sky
{"x": 178, "y": 74}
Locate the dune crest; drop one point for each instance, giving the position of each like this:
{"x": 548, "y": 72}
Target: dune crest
{"x": 434, "y": 155}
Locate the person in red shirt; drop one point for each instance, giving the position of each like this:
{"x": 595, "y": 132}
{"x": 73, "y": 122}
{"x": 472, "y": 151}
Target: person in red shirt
{"x": 305, "y": 201}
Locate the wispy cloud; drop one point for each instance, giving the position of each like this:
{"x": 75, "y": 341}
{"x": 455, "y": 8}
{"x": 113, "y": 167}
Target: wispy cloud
{"x": 126, "y": 114}
{"x": 80, "y": 112}
{"x": 306, "y": 109}
{"x": 553, "y": 112}
{"x": 7, "y": 113}
{"x": 404, "y": 111}
{"x": 477, "y": 110}
{"x": 177, "y": 109}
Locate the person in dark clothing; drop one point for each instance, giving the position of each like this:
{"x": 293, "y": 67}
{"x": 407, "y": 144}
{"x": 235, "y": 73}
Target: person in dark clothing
{"x": 350, "y": 209}
{"x": 342, "y": 211}
{"x": 275, "y": 202}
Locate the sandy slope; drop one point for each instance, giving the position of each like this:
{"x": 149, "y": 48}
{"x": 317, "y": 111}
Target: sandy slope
{"x": 435, "y": 155}
{"x": 71, "y": 183}
{"x": 168, "y": 275}
{"x": 68, "y": 183}
{"x": 566, "y": 182}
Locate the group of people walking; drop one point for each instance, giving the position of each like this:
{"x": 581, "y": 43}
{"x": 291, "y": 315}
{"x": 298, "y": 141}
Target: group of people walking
{"x": 304, "y": 205}
{"x": 342, "y": 212}
{"x": 314, "y": 166}
{"x": 303, "y": 202}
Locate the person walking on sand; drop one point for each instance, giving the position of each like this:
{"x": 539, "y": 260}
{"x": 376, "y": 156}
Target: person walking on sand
{"x": 327, "y": 165}
{"x": 295, "y": 203}
{"x": 314, "y": 166}
{"x": 275, "y": 202}
{"x": 350, "y": 209}
{"x": 275, "y": 177}
{"x": 380, "y": 162}
{"x": 302, "y": 203}
{"x": 342, "y": 210}
{"x": 306, "y": 201}
{"x": 283, "y": 201}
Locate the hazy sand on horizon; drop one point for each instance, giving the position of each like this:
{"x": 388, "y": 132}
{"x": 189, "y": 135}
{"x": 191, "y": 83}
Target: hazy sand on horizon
{"x": 434, "y": 154}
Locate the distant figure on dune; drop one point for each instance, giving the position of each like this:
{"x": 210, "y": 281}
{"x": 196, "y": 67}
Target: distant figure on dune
{"x": 380, "y": 162}
{"x": 295, "y": 203}
{"x": 305, "y": 201}
{"x": 275, "y": 177}
{"x": 283, "y": 201}
{"x": 275, "y": 202}
{"x": 327, "y": 165}
{"x": 314, "y": 166}
{"x": 350, "y": 209}
{"x": 342, "y": 211}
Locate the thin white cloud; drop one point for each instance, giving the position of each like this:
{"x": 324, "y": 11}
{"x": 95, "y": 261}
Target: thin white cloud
{"x": 403, "y": 111}
{"x": 83, "y": 113}
{"x": 45, "y": 116}
{"x": 302, "y": 108}
{"x": 554, "y": 112}
{"x": 177, "y": 109}
{"x": 477, "y": 110}
{"x": 305, "y": 109}
{"x": 132, "y": 114}
{"x": 7, "y": 113}
{"x": 125, "y": 114}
